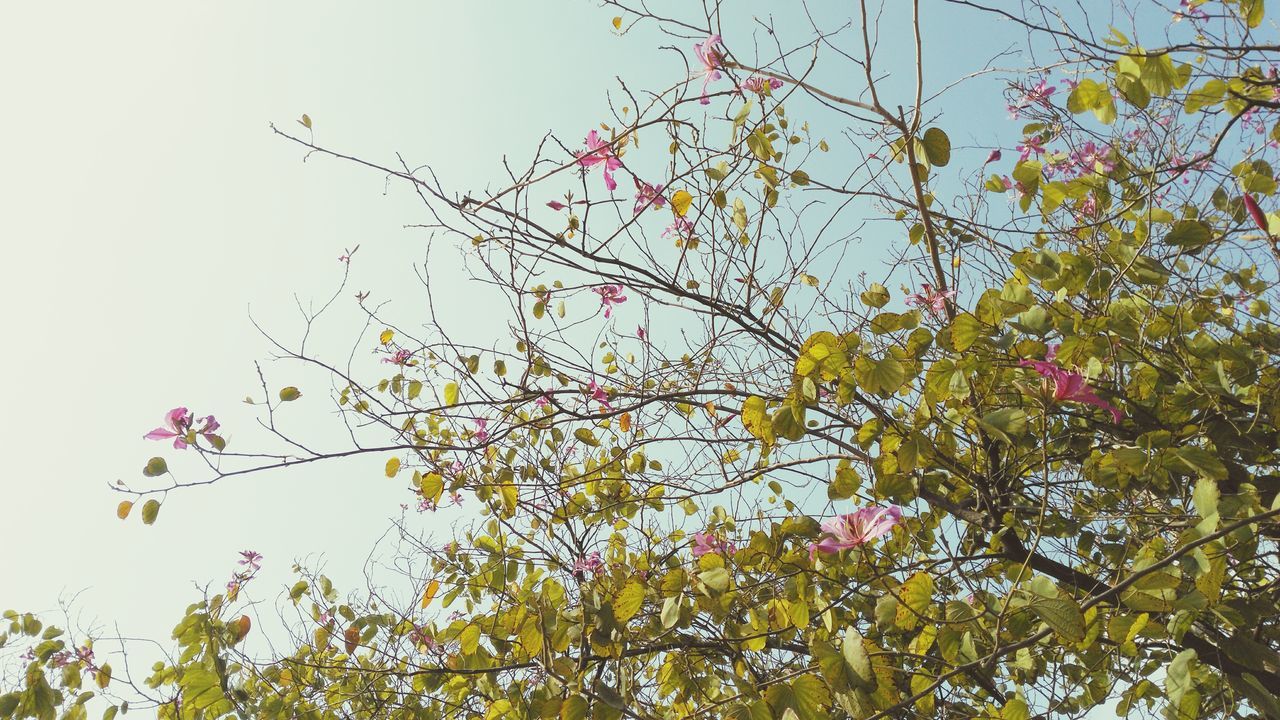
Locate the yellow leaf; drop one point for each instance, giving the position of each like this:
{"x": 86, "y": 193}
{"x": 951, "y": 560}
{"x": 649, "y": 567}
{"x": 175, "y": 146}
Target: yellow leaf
{"x": 628, "y": 601}
{"x": 624, "y": 422}
{"x": 122, "y": 510}
{"x": 305, "y": 121}
{"x": 393, "y": 467}
{"x": 681, "y": 201}
{"x": 386, "y": 336}
{"x": 451, "y": 394}
{"x": 432, "y": 588}
{"x": 617, "y": 23}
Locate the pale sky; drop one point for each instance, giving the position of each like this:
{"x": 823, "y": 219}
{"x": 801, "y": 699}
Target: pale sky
{"x": 147, "y": 208}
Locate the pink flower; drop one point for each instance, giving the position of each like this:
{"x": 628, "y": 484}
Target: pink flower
{"x": 647, "y": 195}
{"x": 610, "y": 295}
{"x": 929, "y": 298}
{"x": 588, "y": 564}
{"x": 710, "y": 53}
{"x": 177, "y": 424}
{"x": 993, "y": 157}
{"x": 427, "y": 505}
{"x": 1069, "y": 386}
{"x": 1038, "y": 94}
{"x": 1088, "y": 208}
{"x": 857, "y": 528}
{"x": 251, "y": 559}
{"x": 401, "y": 357}
{"x": 640, "y": 333}
{"x": 1255, "y": 212}
{"x": 455, "y": 498}
{"x": 1030, "y": 146}
{"x": 599, "y": 395}
{"x": 598, "y": 151}
{"x": 758, "y": 83}
{"x": 543, "y": 400}
{"x": 704, "y": 543}
{"x": 682, "y": 227}
{"x": 481, "y": 433}
{"x": 556, "y": 205}
{"x": 1090, "y": 158}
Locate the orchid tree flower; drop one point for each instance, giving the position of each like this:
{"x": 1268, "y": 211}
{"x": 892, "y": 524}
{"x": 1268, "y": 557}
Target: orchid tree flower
{"x": 250, "y": 559}
{"x": 481, "y": 433}
{"x": 855, "y": 529}
{"x": 710, "y": 53}
{"x": 928, "y": 297}
{"x": 681, "y": 227}
{"x": 758, "y": 83}
{"x": 993, "y": 157}
{"x": 610, "y": 295}
{"x": 1067, "y": 385}
{"x": 178, "y": 424}
{"x": 647, "y": 195}
{"x": 588, "y": 564}
{"x": 1255, "y": 212}
{"x": 706, "y": 543}
{"x": 598, "y": 394}
{"x": 598, "y": 151}
{"x": 401, "y": 357}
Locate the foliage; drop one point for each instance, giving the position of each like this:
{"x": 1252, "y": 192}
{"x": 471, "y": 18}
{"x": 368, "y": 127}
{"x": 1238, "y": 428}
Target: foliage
{"x": 1074, "y": 401}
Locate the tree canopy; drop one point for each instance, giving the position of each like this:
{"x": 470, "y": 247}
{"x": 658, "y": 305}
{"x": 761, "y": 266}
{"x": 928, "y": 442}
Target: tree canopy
{"x": 1021, "y": 465}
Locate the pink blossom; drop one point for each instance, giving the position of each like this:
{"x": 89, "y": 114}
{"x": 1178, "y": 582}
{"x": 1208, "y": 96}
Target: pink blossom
{"x": 401, "y": 357}
{"x": 610, "y": 295}
{"x": 1090, "y": 158}
{"x": 710, "y": 53}
{"x": 599, "y": 395}
{"x": 1038, "y": 94}
{"x": 176, "y": 424}
{"x": 1069, "y": 386}
{"x": 934, "y": 300}
{"x": 704, "y": 543}
{"x": 857, "y": 528}
{"x": 450, "y": 547}
{"x": 481, "y": 433}
{"x": 543, "y": 400}
{"x": 455, "y": 498}
{"x": 251, "y": 559}
{"x": 588, "y": 564}
{"x": 556, "y": 205}
{"x": 993, "y": 157}
{"x": 1255, "y": 212}
{"x": 427, "y": 505}
{"x": 640, "y": 333}
{"x": 682, "y": 227}
{"x": 1030, "y": 146}
{"x": 758, "y": 83}
{"x": 647, "y": 195}
{"x": 1088, "y": 208}
{"x": 598, "y": 151}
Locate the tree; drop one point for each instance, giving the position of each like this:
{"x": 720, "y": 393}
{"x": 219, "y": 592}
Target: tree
{"x": 1039, "y": 476}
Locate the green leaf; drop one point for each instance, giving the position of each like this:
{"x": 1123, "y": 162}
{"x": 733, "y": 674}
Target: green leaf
{"x": 1061, "y": 614}
{"x": 716, "y": 578}
{"x": 788, "y": 421}
{"x": 451, "y": 394}
{"x": 150, "y": 510}
{"x": 1202, "y": 461}
{"x": 469, "y": 639}
{"x": 1189, "y": 234}
{"x": 289, "y": 394}
{"x": 628, "y": 601}
{"x": 855, "y": 653}
{"x": 937, "y": 147}
{"x": 876, "y": 295}
{"x": 156, "y": 466}
{"x": 965, "y": 331}
{"x": 393, "y": 467}
{"x": 670, "y": 612}
{"x": 574, "y": 708}
{"x": 1005, "y": 423}
{"x": 887, "y": 375}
